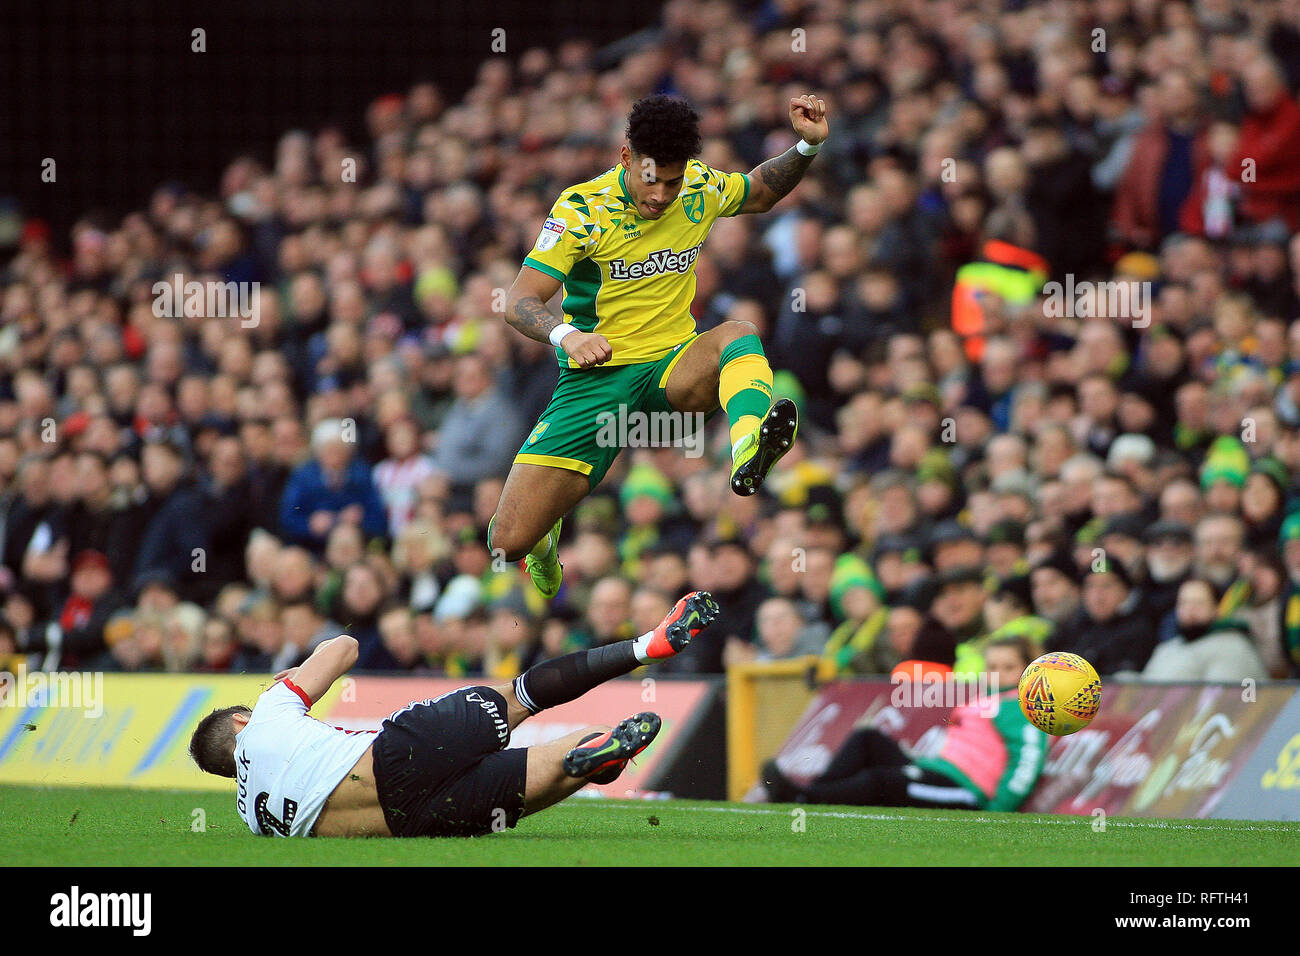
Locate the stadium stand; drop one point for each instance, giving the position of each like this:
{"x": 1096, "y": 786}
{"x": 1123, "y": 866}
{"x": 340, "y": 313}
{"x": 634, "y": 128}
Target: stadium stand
{"x": 1108, "y": 464}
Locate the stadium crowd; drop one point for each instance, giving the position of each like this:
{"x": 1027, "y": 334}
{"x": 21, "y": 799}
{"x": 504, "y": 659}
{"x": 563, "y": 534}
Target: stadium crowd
{"x": 192, "y": 492}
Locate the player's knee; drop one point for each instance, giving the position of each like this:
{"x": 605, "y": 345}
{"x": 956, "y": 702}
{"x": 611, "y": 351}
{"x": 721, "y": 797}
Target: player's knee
{"x": 734, "y": 329}
{"x": 505, "y": 541}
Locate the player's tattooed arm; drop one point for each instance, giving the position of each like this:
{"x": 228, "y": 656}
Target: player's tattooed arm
{"x": 526, "y": 303}
{"x": 773, "y": 180}
{"x": 531, "y": 316}
{"x": 526, "y": 311}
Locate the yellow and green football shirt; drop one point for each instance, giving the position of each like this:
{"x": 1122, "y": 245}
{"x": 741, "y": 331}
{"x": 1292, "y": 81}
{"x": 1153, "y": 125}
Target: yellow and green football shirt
{"x": 632, "y": 279}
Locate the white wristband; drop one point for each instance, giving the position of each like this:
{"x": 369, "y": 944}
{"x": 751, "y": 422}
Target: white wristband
{"x": 807, "y": 149}
{"x": 560, "y": 331}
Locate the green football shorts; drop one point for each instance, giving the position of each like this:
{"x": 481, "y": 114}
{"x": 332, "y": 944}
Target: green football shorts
{"x": 583, "y": 429}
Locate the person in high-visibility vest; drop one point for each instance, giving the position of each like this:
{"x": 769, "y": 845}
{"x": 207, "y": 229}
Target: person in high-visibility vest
{"x": 1007, "y": 268}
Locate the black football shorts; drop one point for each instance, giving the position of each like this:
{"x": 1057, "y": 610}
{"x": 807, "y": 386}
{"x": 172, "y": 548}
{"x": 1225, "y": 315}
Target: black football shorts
{"x": 441, "y": 767}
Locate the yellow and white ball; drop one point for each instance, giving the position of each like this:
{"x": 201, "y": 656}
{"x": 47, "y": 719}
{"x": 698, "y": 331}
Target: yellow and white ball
{"x": 1060, "y": 693}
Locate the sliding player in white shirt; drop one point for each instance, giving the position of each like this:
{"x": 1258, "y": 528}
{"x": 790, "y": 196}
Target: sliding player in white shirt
{"x": 436, "y": 767}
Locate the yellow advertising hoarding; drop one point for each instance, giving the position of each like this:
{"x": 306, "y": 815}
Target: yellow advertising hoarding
{"x": 114, "y": 729}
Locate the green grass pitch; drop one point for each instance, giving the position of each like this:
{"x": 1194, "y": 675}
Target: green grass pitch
{"x": 110, "y": 827}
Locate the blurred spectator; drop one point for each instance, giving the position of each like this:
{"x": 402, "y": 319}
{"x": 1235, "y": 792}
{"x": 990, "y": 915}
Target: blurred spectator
{"x": 859, "y": 645}
{"x": 137, "y": 645}
{"x": 90, "y": 604}
{"x": 303, "y": 627}
{"x": 481, "y": 433}
{"x": 183, "y": 638}
{"x": 609, "y": 613}
{"x": 400, "y": 652}
{"x": 1008, "y": 613}
{"x": 733, "y": 583}
{"x": 1109, "y": 629}
{"x": 228, "y": 504}
{"x": 11, "y": 659}
{"x": 219, "y": 647}
{"x": 1269, "y": 140}
{"x": 334, "y": 487}
{"x": 419, "y": 547}
{"x": 261, "y": 636}
{"x": 399, "y": 475}
{"x": 780, "y": 636}
{"x": 176, "y": 537}
{"x": 1160, "y": 174}
{"x": 1219, "y": 539}
{"x": 359, "y": 603}
{"x": 1054, "y": 588}
{"x": 1206, "y": 646}
{"x": 1168, "y": 564}
{"x": 294, "y": 577}
{"x": 649, "y": 607}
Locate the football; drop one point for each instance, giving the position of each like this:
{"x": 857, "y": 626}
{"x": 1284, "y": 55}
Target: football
{"x": 1060, "y": 693}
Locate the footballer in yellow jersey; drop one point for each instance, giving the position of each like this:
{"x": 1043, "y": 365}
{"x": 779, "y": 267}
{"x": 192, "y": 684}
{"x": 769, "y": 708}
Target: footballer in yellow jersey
{"x": 623, "y": 247}
{"x": 632, "y": 279}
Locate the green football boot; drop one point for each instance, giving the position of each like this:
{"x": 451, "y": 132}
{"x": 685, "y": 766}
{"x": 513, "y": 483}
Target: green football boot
{"x": 547, "y": 572}
{"x": 763, "y": 447}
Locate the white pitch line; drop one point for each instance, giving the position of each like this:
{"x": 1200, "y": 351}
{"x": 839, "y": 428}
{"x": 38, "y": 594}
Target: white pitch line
{"x": 898, "y": 818}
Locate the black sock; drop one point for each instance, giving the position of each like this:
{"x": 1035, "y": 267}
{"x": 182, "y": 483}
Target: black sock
{"x": 567, "y": 678}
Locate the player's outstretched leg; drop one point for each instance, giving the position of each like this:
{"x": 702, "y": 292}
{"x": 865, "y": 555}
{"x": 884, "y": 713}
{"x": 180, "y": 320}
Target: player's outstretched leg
{"x": 744, "y": 384}
{"x": 590, "y": 752}
{"x": 601, "y": 757}
{"x": 726, "y": 367}
{"x": 760, "y": 433}
{"x": 567, "y": 678}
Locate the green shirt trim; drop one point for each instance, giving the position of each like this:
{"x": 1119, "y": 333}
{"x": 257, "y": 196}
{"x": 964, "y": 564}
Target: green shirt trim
{"x": 551, "y": 271}
{"x": 744, "y": 198}
{"x": 627, "y": 196}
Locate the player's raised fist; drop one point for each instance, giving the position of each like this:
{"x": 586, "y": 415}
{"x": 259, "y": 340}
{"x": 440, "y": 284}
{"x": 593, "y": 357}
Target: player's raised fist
{"x": 588, "y": 349}
{"x": 808, "y": 116}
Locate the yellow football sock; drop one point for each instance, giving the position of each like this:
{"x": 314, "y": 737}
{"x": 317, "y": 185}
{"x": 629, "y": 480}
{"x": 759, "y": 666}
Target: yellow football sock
{"x": 744, "y": 385}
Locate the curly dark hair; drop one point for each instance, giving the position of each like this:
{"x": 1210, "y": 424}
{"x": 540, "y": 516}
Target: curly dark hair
{"x": 664, "y": 128}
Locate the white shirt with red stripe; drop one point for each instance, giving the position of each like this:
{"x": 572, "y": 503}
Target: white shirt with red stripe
{"x": 287, "y": 764}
